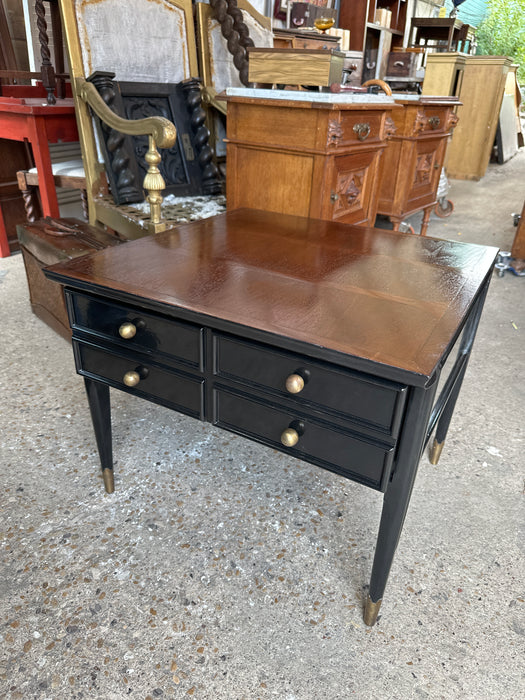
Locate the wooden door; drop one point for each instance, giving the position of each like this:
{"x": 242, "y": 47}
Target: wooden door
{"x": 352, "y": 182}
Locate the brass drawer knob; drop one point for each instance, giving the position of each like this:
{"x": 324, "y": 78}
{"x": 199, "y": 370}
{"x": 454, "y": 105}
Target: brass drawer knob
{"x": 127, "y": 330}
{"x": 131, "y": 378}
{"x": 289, "y": 437}
{"x": 294, "y": 384}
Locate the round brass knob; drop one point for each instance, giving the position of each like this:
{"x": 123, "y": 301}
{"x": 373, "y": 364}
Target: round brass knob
{"x": 289, "y": 437}
{"x": 127, "y": 330}
{"x": 294, "y": 383}
{"x": 131, "y": 378}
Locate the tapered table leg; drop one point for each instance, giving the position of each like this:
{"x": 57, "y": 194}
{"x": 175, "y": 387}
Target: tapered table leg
{"x": 463, "y": 356}
{"x": 99, "y": 405}
{"x": 397, "y": 495}
{"x": 444, "y": 421}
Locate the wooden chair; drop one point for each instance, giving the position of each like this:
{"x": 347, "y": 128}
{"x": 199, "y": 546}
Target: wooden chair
{"x": 225, "y": 29}
{"x": 68, "y": 174}
{"x": 143, "y": 41}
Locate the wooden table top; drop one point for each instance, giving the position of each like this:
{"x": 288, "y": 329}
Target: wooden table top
{"x": 36, "y": 106}
{"x": 388, "y": 298}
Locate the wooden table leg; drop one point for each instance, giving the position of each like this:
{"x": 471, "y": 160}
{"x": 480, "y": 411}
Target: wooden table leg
{"x": 41, "y": 155}
{"x": 397, "y": 496}
{"x": 100, "y": 408}
{"x": 518, "y": 245}
{"x": 450, "y": 401}
{"x": 426, "y": 218}
{"x": 396, "y": 223}
{"x": 4, "y": 242}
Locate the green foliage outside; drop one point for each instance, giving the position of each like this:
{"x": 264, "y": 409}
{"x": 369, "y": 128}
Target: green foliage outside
{"x": 502, "y": 32}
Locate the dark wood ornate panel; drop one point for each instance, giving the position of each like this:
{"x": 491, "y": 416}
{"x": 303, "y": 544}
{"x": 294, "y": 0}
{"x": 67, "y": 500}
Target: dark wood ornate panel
{"x": 187, "y": 167}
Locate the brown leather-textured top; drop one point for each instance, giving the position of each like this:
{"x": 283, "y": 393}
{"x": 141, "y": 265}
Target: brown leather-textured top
{"x": 387, "y": 297}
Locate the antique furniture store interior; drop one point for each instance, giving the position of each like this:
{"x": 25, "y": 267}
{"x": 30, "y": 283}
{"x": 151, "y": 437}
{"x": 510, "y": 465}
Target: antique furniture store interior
{"x": 262, "y": 357}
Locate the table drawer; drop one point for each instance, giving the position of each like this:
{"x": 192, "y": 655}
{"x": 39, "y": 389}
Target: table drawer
{"x": 315, "y": 44}
{"x": 350, "y": 454}
{"x": 365, "y": 399}
{"x": 153, "y": 333}
{"x": 360, "y": 127}
{"x": 433, "y": 120}
{"x": 167, "y": 387}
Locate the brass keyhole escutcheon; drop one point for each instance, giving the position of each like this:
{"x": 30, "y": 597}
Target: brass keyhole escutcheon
{"x": 294, "y": 384}
{"x": 362, "y": 130}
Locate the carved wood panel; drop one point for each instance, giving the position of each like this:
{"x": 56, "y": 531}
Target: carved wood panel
{"x": 187, "y": 167}
{"x": 351, "y": 191}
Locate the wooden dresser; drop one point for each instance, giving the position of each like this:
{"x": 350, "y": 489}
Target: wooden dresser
{"x": 414, "y": 157}
{"x": 318, "y": 156}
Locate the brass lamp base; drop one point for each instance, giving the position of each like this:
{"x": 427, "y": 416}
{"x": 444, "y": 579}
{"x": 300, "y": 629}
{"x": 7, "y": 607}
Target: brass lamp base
{"x": 109, "y": 484}
{"x": 158, "y": 227}
{"x": 371, "y": 611}
{"x": 435, "y": 451}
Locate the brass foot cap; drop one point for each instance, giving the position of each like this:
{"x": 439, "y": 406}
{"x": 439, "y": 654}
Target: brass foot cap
{"x": 109, "y": 484}
{"x": 371, "y": 611}
{"x": 435, "y": 451}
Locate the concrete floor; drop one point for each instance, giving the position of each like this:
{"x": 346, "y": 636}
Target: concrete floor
{"x": 220, "y": 569}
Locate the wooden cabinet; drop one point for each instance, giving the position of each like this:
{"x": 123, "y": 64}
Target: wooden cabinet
{"x": 376, "y": 40}
{"x": 444, "y": 74}
{"x": 307, "y": 157}
{"x": 479, "y": 82}
{"x": 413, "y": 159}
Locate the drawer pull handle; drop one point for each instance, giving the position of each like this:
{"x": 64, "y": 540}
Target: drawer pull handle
{"x": 294, "y": 384}
{"x": 127, "y": 330}
{"x": 131, "y": 378}
{"x": 362, "y": 130}
{"x": 434, "y": 122}
{"x": 289, "y": 437}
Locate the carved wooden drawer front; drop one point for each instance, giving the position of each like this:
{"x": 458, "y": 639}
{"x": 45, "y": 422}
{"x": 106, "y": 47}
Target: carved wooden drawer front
{"x": 360, "y": 127}
{"x": 311, "y": 384}
{"x": 137, "y": 330}
{"x": 431, "y": 120}
{"x": 140, "y": 376}
{"x": 353, "y": 455}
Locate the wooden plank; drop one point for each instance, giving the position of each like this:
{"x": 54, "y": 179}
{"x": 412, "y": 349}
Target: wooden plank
{"x": 518, "y": 246}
